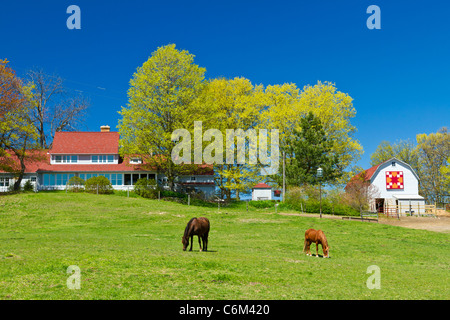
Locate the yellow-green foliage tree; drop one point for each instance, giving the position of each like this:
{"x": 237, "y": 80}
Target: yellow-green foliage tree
{"x": 287, "y": 105}
{"x": 335, "y": 111}
{"x": 434, "y": 152}
{"x": 160, "y": 97}
{"x": 232, "y": 104}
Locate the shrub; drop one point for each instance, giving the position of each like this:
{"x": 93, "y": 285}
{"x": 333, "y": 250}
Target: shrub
{"x": 296, "y": 199}
{"x": 98, "y": 184}
{"x": 146, "y": 188}
{"x": 172, "y": 194}
{"x": 28, "y": 186}
{"x": 76, "y": 184}
{"x": 261, "y": 204}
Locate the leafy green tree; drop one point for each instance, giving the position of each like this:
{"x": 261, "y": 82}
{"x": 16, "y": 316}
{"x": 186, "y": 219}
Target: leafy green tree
{"x": 308, "y": 149}
{"x": 287, "y": 105}
{"x": 335, "y": 110}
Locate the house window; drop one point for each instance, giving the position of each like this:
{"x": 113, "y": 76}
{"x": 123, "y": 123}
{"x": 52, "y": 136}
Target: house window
{"x": 65, "y": 159}
{"x": 52, "y": 180}
{"x": 4, "y": 182}
{"x": 135, "y": 160}
{"x": 192, "y": 178}
{"x": 393, "y": 163}
{"x": 127, "y": 179}
{"x": 102, "y": 158}
{"x": 116, "y": 179}
{"x": 33, "y": 179}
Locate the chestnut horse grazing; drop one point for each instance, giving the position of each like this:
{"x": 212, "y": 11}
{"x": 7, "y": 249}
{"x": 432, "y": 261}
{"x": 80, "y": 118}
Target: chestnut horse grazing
{"x": 196, "y": 227}
{"x": 317, "y": 237}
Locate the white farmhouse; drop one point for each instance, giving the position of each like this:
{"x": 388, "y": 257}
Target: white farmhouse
{"x": 91, "y": 154}
{"x": 398, "y": 188}
{"x": 262, "y": 191}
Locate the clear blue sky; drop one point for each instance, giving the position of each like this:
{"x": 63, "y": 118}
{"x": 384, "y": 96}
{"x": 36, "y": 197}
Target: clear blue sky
{"x": 399, "y": 76}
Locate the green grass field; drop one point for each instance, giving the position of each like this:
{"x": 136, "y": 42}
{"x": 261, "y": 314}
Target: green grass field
{"x": 130, "y": 248}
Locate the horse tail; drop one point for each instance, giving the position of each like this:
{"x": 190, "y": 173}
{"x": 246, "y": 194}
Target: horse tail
{"x": 306, "y": 240}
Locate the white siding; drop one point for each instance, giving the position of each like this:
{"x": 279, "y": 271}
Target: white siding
{"x": 411, "y": 184}
{"x": 262, "y": 194}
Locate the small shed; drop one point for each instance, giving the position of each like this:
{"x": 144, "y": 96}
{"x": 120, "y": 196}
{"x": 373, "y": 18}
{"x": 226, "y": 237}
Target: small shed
{"x": 262, "y": 191}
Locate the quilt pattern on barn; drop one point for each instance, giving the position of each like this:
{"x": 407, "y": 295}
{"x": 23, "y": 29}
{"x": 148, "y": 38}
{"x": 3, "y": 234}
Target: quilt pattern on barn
{"x": 394, "y": 180}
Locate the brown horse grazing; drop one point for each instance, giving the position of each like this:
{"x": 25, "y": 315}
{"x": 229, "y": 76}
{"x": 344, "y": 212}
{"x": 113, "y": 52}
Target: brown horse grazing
{"x": 196, "y": 227}
{"x": 318, "y": 237}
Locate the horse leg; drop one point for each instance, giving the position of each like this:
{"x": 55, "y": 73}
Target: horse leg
{"x": 205, "y": 245}
{"x": 199, "y": 242}
{"x": 317, "y": 249}
{"x": 307, "y": 246}
{"x": 192, "y": 241}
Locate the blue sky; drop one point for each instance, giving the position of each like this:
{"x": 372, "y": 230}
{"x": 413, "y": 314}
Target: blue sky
{"x": 399, "y": 76}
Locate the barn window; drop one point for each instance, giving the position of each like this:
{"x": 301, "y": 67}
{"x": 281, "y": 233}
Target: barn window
{"x": 393, "y": 163}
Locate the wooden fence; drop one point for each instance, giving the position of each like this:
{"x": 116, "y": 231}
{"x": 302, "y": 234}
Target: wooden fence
{"x": 416, "y": 210}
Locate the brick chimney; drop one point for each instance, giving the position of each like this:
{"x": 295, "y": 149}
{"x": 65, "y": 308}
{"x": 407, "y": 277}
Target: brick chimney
{"x": 104, "y": 128}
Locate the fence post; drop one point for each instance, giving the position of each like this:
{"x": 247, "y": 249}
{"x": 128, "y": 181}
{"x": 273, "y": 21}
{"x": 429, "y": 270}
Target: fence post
{"x": 159, "y": 195}
{"x": 97, "y": 189}
{"x": 189, "y": 199}
{"x": 128, "y": 192}
{"x": 247, "y": 205}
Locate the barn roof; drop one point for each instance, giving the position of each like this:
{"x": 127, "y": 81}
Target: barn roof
{"x": 373, "y": 171}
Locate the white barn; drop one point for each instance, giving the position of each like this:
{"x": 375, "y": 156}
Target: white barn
{"x": 398, "y": 188}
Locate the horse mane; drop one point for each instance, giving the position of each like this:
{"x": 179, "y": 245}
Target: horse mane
{"x": 186, "y": 231}
{"x": 323, "y": 239}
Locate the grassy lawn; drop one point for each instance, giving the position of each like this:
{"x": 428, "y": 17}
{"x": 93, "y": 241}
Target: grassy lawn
{"x": 130, "y": 248}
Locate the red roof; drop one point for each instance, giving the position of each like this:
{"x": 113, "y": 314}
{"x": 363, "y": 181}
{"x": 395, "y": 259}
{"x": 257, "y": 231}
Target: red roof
{"x": 262, "y": 186}
{"x": 368, "y": 174}
{"x": 85, "y": 143}
{"x": 40, "y": 162}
